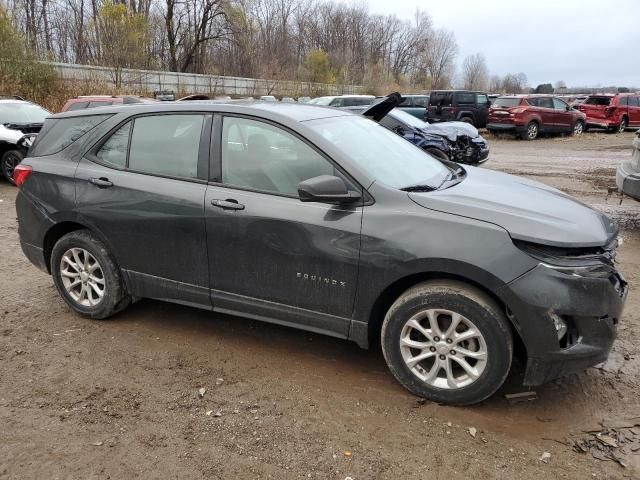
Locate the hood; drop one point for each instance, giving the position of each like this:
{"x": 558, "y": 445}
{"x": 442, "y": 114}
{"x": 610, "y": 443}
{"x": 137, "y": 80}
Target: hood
{"x": 452, "y": 130}
{"x": 528, "y": 210}
{"x": 378, "y": 111}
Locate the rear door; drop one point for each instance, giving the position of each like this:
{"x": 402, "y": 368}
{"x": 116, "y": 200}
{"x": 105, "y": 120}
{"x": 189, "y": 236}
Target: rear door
{"x": 482, "y": 112}
{"x": 439, "y": 106}
{"x": 142, "y": 187}
{"x": 547, "y": 113}
{"x": 271, "y": 255}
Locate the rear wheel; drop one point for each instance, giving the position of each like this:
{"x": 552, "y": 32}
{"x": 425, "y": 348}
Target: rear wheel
{"x": 467, "y": 120}
{"x": 439, "y": 154}
{"x": 87, "y": 277}
{"x": 623, "y": 125}
{"x": 448, "y": 342}
{"x": 531, "y": 132}
{"x": 578, "y": 128}
{"x": 10, "y": 161}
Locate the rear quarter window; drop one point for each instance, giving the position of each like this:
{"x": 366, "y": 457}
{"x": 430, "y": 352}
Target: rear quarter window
{"x": 58, "y": 133}
{"x": 466, "y": 98}
{"x": 506, "y": 102}
{"x": 601, "y": 101}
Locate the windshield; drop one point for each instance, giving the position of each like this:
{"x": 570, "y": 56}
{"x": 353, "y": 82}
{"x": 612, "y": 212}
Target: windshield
{"x": 506, "y": 102}
{"x": 321, "y": 101}
{"x": 407, "y": 118}
{"x": 386, "y": 156}
{"x": 22, "y": 113}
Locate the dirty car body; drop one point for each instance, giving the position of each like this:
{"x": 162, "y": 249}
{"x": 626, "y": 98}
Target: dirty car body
{"x": 342, "y": 229}
{"x": 628, "y": 172}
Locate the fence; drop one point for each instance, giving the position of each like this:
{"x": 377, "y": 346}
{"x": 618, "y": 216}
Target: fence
{"x": 150, "y": 80}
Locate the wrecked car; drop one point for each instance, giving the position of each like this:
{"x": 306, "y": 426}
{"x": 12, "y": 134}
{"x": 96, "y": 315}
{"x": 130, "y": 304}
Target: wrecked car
{"x": 20, "y": 122}
{"x": 455, "y": 141}
{"x": 323, "y": 220}
{"x": 628, "y": 172}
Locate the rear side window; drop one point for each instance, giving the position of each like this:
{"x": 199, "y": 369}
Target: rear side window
{"x": 166, "y": 145}
{"x": 545, "y": 102}
{"x": 602, "y": 101}
{"x": 623, "y": 101}
{"x": 441, "y": 99}
{"x": 634, "y": 101}
{"x": 481, "y": 99}
{"x": 466, "y": 98}
{"x": 114, "y": 150}
{"x": 420, "y": 101}
{"x": 59, "y": 133}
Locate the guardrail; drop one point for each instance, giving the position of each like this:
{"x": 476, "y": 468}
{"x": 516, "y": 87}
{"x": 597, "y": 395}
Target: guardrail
{"x": 152, "y": 80}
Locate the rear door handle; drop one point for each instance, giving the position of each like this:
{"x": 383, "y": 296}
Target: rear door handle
{"x": 228, "y": 204}
{"x": 101, "y": 182}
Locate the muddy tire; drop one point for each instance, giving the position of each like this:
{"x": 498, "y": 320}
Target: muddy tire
{"x": 531, "y": 132}
{"x": 447, "y": 342}
{"x": 8, "y": 163}
{"x": 438, "y": 154}
{"x": 87, "y": 277}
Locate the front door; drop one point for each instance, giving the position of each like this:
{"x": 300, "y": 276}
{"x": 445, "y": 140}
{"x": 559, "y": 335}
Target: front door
{"x": 272, "y": 256}
{"x": 143, "y": 190}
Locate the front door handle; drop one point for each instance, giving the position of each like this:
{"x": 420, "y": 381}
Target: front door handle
{"x": 228, "y": 204}
{"x": 101, "y": 182}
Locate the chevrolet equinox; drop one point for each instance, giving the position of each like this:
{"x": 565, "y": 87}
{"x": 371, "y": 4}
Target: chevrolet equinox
{"x": 323, "y": 220}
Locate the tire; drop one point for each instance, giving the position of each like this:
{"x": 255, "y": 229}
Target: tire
{"x": 82, "y": 247}
{"x": 624, "y": 123}
{"x": 444, "y": 301}
{"x": 438, "y": 154}
{"x": 467, "y": 120}
{"x": 578, "y": 128}
{"x": 9, "y": 161}
{"x": 531, "y": 132}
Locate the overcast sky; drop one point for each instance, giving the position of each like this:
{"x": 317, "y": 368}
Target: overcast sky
{"x": 583, "y": 42}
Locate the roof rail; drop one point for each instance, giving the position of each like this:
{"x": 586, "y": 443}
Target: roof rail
{"x": 12, "y": 97}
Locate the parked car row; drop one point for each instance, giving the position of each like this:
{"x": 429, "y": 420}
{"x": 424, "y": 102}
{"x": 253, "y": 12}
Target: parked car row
{"x": 323, "y": 220}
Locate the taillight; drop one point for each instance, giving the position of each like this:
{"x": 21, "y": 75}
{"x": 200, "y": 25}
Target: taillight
{"x": 453, "y": 110}
{"x": 517, "y": 110}
{"x": 609, "y": 111}
{"x": 21, "y": 173}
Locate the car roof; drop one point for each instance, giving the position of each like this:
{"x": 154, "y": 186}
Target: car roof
{"x": 12, "y": 100}
{"x": 291, "y": 111}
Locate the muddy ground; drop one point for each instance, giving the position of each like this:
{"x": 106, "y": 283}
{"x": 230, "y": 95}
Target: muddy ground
{"x": 119, "y": 399}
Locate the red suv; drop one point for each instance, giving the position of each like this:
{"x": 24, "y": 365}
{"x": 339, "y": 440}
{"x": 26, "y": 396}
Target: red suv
{"x": 529, "y": 115}
{"x": 615, "y": 112}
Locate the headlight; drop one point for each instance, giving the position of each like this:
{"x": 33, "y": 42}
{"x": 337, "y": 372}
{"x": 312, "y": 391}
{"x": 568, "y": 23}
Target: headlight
{"x": 594, "y": 262}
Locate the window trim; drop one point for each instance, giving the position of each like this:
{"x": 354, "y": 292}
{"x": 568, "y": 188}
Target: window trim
{"x": 216, "y": 159}
{"x": 203, "y": 156}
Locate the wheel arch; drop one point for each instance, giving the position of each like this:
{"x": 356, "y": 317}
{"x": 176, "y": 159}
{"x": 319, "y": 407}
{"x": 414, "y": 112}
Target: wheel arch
{"x": 391, "y": 293}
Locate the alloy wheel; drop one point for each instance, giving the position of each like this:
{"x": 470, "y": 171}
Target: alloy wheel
{"x": 532, "y": 131}
{"x": 443, "y": 349}
{"x": 623, "y": 125}
{"x": 82, "y": 277}
{"x": 578, "y": 128}
{"x": 9, "y": 163}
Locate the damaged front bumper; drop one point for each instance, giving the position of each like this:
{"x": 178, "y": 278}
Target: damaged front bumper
{"x": 589, "y": 307}
{"x": 471, "y": 151}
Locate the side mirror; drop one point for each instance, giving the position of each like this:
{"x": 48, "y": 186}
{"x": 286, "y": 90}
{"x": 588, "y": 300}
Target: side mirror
{"x": 326, "y": 189}
{"x": 568, "y": 108}
{"x": 488, "y": 104}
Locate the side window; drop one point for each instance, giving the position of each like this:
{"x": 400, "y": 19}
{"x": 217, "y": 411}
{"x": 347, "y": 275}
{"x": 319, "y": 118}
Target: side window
{"x": 114, "y": 150}
{"x": 406, "y": 102}
{"x": 390, "y": 123}
{"x": 559, "y": 105}
{"x": 63, "y": 133}
{"x": 261, "y": 156}
{"x": 166, "y": 145}
{"x": 533, "y": 101}
{"x": 634, "y": 101}
{"x": 77, "y": 106}
{"x": 466, "y": 98}
{"x": 545, "y": 102}
{"x": 337, "y": 102}
{"x": 481, "y": 99}
{"x": 421, "y": 101}
{"x": 623, "y": 101}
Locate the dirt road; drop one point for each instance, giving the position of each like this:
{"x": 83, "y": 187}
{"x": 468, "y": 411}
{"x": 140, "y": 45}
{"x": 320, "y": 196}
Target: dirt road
{"x": 119, "y": 399}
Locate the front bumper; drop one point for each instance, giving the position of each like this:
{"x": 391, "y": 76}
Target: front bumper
{"x": 591, "y": 307}
{"x": 471, "y": 151}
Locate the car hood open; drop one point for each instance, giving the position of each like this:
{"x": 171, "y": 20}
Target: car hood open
{"x": 452, "y": 130}
{"x": 528, "y": 210}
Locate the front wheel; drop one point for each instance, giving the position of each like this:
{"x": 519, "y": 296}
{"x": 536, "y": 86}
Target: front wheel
{"x": 467, "y": 120}
{"x": 447, "y": 342}
{"x": 87, "y": 277}
{"x": 10, "y": 161}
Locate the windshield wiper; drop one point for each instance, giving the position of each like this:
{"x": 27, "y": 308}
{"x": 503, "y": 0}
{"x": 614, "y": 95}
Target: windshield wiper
{"x": 419, "y": 188}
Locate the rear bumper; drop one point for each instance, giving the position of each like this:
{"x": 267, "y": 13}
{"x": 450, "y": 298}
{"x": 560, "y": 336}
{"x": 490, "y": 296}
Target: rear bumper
{"x": 35, "y": 255}
{"x": 591, "y": 307}
{"x": 628, "y": 180}
{"x": 601, "y": 123}
{"x": 505, "y": 127}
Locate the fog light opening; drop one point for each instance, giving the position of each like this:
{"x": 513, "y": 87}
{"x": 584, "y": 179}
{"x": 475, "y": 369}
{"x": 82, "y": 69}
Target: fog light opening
{"x": 560, "y": 326}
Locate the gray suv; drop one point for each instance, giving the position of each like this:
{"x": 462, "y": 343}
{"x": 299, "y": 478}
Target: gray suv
{"x": 323, "y": 220}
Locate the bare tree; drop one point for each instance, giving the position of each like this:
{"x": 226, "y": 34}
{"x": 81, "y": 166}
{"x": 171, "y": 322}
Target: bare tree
{"x": 439, "y": 57}
{"x": 474, "y": 72}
